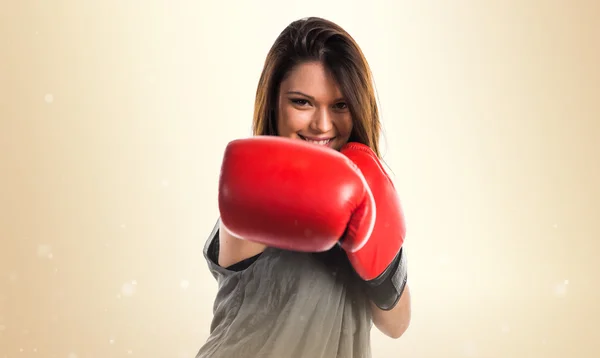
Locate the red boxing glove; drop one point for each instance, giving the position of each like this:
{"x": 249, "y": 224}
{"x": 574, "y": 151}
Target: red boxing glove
{"x": 380, "y": 262}
{"x": 293, "y": 195}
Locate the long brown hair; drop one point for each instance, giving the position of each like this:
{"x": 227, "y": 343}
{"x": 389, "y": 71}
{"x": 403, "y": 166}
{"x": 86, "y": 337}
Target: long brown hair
{"x": 318, "y": 39}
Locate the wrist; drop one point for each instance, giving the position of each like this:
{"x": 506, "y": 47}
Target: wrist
{"x": 385, "y": 290}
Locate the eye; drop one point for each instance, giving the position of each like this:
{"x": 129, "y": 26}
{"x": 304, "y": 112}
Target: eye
{"x": 341, "y": 105}
{"x": 299, "y": 101}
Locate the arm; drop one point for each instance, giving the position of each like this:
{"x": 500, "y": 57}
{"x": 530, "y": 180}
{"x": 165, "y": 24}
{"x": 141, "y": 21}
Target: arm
{"x": 390, "y": 298}
{"x": 381, "y": 263}
{"x": 395, "y": 322}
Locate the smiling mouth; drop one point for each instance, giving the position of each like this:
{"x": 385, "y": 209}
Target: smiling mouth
{"x": 318, "y": 141}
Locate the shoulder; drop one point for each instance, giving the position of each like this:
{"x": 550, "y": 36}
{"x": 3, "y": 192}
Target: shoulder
{"x": 226, "y": 254}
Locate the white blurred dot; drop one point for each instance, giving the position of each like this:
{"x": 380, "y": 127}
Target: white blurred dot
{"x": 184, "y": 284}
{"x": 49, "y": 98}
{"x": 2, "y": 327}
{"x": 129, "y": 351}
{"x": 44, "y": 251}
{"x": 560, "y": 289}
{"x": 13, "y": 276}
{"x": 134, "y": 282}
{"x": 34, "y": 350}
{"x": 505, "y": 328}
{"x": 111, "y": 341}
{"x": 555, "y": 226}
{"x": 123, "y": 226}
{"x": 72, "y": 355}
{"x": 127, "y": 289}
{"x": 165, "y": 182}
{"x": 444, "y": 259}
{"x": 20, "y": 349}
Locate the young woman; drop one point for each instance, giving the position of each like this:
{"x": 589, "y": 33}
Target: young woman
{"x": 307, "y": 251}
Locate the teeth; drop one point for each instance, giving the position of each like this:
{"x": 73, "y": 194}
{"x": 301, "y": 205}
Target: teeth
{"x": 319, "y": 142}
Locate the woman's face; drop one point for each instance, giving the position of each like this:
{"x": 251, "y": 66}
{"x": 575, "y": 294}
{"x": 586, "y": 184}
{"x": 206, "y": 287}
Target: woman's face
{"x": 311, "y": 107}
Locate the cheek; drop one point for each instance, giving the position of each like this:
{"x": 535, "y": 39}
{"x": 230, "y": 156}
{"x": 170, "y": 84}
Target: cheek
{"x": 345, "y": 126}
{"x": 290, "y": 121}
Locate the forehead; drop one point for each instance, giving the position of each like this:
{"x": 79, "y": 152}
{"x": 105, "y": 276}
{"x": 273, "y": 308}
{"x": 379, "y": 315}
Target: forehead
{"x": 313, "y": 79}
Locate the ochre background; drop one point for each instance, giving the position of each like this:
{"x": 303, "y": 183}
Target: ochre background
{"x": 114, "y": 116}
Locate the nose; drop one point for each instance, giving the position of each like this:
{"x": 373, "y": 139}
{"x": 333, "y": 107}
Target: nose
{"x": 322, "y": 121}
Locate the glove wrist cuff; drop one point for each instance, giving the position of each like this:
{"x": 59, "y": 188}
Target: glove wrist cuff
{"x": 385, "y": 290}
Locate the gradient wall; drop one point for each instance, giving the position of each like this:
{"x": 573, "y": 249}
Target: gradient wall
{"x": 114, "y": 116}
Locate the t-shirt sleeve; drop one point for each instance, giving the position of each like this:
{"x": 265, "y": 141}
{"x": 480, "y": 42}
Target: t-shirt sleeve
{"x": 211, "y": 252}
{"x": 211, "y": 255}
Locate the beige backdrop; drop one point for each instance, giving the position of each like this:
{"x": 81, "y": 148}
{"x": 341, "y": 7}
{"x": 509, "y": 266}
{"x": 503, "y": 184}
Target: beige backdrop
{"x": 114, "y": 116}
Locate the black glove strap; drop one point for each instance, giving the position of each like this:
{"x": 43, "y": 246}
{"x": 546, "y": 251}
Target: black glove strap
{"x": 385, "y": 291}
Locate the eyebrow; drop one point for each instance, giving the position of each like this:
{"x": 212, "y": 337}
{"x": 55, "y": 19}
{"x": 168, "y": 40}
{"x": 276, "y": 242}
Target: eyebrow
{"x": 310, "y": 97}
